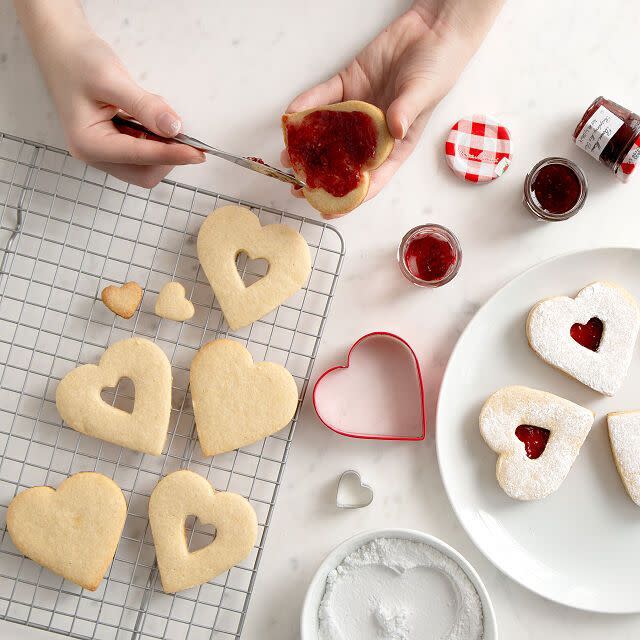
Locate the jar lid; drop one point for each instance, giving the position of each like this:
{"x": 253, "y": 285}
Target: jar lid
{"x": 478, "y": 149}
{"x": 630, "y": 162}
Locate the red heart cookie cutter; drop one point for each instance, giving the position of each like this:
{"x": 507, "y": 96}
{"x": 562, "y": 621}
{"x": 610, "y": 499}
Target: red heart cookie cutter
{"x": 386, "y": 395}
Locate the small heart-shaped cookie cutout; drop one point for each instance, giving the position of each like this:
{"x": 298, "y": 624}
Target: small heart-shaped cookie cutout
{"x": 79, "y": 401}
{"x": 185, "y": 493}
{"x": 237, "y": 402}
{"x": 231, "y": 230}
{"x": 352, "y": 493}
{"x": 123, "y": 300}
{"x": 537, "y": 469}
{"x": 590, "y": 337}
{"x": 72, "y": 531}
{"x": 172, "y": 303}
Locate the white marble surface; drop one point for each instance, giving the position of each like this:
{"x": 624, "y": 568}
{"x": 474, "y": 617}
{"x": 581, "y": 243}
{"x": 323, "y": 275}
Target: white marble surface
{"x": 230, "y": 69}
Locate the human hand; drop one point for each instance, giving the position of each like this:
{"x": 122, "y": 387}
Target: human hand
{"x": 406, "y": 70}
{"x": 89, "y": 85}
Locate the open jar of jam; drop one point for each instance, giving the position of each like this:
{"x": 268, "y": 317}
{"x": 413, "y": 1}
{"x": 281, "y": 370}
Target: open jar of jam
{"x": 555, "y": 189}
{"x": 611, "y": 134}
{"x": 429, "y": 255}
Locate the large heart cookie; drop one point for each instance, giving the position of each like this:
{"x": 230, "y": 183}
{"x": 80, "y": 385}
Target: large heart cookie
{"x": 237, "y": 402}
{"x": 145, "y": 428}
{"x": 185, "y": 493}
{"x": 590, "y": 337}
{"x": 624, "y": 436}
{"x": 74, "y": 530}
{"x": 229, "y": 231}
{"x": 537, "y": 437}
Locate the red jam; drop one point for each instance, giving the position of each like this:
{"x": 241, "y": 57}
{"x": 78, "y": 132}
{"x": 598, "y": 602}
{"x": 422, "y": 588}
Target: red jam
{"x": 429, "y": 257}
{"x": 258, "y": 160}
{"x": 331, "y": 147}
{"x": 588, "y": 335}
{"x": 535, "y": 439}
{"x": 611, "y": 134}
{"x": 556, "y": 188}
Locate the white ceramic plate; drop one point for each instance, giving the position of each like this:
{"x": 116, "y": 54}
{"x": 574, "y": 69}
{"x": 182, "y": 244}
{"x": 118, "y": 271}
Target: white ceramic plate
{"x": 580, "y": 546}
{"x": 309, "y": 617}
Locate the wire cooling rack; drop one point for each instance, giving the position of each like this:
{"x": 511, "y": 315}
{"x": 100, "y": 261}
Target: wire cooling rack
{"x": 68, "y": 231}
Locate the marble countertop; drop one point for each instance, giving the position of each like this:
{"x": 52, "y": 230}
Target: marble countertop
{"x": 230, "y": 69}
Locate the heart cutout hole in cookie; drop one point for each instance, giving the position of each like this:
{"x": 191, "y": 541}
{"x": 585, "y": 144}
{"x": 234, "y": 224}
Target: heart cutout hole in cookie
{"x": 198, "y": 534}
{"x": 122, "y": 396}
{"x": 588, "y": 335}
{"x": 534, "y": 438}
{"x": 251, "y": 270}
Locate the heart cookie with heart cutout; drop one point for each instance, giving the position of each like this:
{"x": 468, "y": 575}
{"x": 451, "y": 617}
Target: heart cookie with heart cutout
{"x": 172, "y": 303}
{"x": 590, "y": 337}
{"x": 72, "y": 531}
{"x": 185, "y": 493}
{"x": 624, "y": 436}
{"x": 237, "y": 402}
{"x": 123, "y": 300}
{"x": 144, "y": 429}
{"x": 231, "y": 230}
{"x": 537, "y": 437}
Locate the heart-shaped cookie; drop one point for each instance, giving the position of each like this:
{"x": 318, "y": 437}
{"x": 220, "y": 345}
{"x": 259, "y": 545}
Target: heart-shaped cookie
{"x": 185, "y": 493}
{"x": 237, "y": 402}
{"x": 173, "y": 304}
{"x": 624, "y": 436}
{"x": 333, "y": 149}
{"x": 72, "y": 531}
{"x": 145, "y": 428}
{"x": 123, "y": 300}
{"x": 530, "y": 467}
{"x": 590, "y": 337}
{"x": 231, "y": 230}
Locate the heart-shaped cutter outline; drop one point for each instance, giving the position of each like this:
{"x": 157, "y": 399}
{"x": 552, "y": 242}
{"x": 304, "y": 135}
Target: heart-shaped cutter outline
{"x": 376, "y": 436}
{"x": 350, "y": 505}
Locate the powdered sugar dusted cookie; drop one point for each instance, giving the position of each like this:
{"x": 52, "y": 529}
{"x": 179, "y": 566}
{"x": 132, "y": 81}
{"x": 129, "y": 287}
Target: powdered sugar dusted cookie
{"x": 624, "y": 435}
{"x": 537, "y": 437}
{"x": 590, "y": 337}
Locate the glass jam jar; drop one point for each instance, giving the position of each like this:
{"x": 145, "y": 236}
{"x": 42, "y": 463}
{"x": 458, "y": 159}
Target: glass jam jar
{"x": 555, "y": 189}
{"x": 611, "y": 134}
{"x": 429, "y": 255}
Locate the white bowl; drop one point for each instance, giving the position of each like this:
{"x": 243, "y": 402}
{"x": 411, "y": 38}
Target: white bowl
{"x": 309, "y": 617}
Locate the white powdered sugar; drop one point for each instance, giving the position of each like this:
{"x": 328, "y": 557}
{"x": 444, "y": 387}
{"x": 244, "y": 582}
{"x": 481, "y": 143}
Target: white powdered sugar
{"x": 399, "y": 589}
{"x": 522, "y": 477}
{"x": 549, "y": 325}
{"x": 624, "y": 435}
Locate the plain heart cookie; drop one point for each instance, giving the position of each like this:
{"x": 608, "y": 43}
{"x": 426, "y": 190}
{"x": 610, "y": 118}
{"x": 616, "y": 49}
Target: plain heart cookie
{"x": 624, "y": 436}
{"x": 537, "y": 437}
{"x": 590, "y": 337}
{"x": 172, "y": 303}
{"x": 237, "y": 402}
{"x": 185, "y": 493}
{"x": 229, "y": 231}
{"x": 333, "y": 149}
{"x": 145, "y": 428}
{"x": 123, "y": 300}
{"x": 72, "y": 531}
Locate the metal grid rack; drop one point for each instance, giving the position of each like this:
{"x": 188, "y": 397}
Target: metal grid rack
{"x": 69, "y": 230}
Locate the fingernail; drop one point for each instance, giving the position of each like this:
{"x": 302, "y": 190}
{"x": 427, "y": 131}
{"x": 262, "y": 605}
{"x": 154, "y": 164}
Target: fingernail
{"x": 169, "y": 124}
{"x": 403, "y": 128}
{"x": 199, "y": 159}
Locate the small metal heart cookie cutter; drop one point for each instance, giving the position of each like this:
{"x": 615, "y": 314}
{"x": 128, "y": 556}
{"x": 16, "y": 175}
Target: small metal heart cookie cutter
{"x": 341, "y": 502}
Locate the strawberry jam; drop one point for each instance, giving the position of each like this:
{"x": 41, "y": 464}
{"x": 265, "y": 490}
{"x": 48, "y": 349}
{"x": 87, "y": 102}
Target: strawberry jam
{"x": 557, "y": 188}
{"x": 588, "y": 335}
{"x": 331, "y": 147}
{"x": 535, "y": 439}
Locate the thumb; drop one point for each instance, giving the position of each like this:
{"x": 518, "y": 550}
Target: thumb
{"x": 149, "y": 109}
{"x": 415, "y": 97}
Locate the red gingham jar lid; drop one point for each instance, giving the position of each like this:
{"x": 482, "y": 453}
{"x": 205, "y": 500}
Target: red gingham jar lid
{"x": 478, "y": 149}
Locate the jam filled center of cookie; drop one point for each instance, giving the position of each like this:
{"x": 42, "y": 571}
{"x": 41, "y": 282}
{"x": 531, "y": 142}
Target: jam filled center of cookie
{"x": 331, "y": 147}
{"x": 535, "y": 439}
{"x": 588, "y": 335}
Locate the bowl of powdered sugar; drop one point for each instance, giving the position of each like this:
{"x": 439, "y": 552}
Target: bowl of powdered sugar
{"x": 396, "y": 584}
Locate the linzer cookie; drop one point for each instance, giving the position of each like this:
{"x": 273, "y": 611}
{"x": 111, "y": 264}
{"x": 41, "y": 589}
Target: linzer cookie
{"x": 624, "y": 436}
{"x": 590, "y": 337}
{"x": 537, "y": 437}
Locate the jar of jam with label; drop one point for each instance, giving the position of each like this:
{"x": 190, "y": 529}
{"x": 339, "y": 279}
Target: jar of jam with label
{"x": 611, "y": 134}
{"x": 429, "y": 255}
